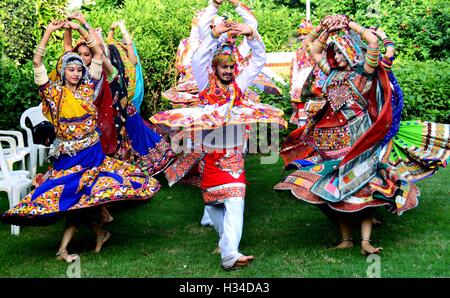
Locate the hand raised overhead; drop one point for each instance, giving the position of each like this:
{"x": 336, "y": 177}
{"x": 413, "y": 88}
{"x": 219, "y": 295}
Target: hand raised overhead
{"x": 241, "y": 29}
{"x": 55, "y": 25}
{"x": 221, "y": 27}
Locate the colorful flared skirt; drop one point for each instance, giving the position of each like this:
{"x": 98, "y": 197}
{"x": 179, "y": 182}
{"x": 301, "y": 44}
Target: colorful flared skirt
{"x": 211, "y": 117}
{"x": 88, "y": 179}
{"x": 143, "y": 147}
{"x": 311, "y": 184}
{"x": 419, "y": 149}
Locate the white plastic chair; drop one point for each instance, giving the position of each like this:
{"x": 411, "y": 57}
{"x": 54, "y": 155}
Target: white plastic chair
{"x": 36, "y": 116}
{"x": 17, "y": 152}
{"x": 15, "y": 184}
{"x": 11, "y": 157}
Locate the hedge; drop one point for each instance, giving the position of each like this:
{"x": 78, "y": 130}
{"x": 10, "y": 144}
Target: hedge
{"x": 157, "y": 26}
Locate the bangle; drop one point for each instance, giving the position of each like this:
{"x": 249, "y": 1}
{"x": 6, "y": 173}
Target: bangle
{"x": 321, "y": 43}
{"x": 90, "y": 43}
{"x": 324, "y": 66}
{"x": 40, "y": 51}
{"x": 40, "y": 75}
{"x": 364, "y": 32}
{"x": 388, "y": 43}
{"x": 313, "y": 34}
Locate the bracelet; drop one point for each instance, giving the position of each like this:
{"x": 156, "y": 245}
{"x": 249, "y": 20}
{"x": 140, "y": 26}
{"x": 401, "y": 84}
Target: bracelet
{"x": 97, "y": 62}
{"x": 40, "y": 51}
{"x": 364, "y": 32}
{"x": 388, "y": 43}
{"x": 313, "y": 34}
{"x": 86, "y": 39}
{"x": 91, "y": 43}
{"x": 321, "y": 43}
{"x": 373, "y": 62}
{"x": 324, "y": 66}
{"x": 40, "y": 75}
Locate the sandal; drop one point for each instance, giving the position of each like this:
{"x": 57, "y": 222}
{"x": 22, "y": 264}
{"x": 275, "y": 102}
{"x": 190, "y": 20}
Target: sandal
{"x": 64, "y": 256}
{"x": 373, "y": 250}
{"x": 102, "y": 240}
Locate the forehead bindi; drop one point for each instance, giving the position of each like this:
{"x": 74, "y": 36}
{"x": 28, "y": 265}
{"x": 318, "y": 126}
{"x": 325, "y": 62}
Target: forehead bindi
{"x": 74, "y": 68}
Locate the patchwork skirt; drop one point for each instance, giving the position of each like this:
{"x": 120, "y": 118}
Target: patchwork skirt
{"x": 88, "y": 179}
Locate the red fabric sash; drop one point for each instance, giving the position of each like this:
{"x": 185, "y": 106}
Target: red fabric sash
{"x": 382, "y": 124}
{"x": 105, "y": 117}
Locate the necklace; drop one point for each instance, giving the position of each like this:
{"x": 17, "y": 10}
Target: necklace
{"x": 70, "y": 86}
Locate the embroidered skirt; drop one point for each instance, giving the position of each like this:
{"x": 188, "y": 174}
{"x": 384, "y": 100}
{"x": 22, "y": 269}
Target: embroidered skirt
{"x": 88, "y": 179}
{"x": 419, "y": 149}
{"x": 385, "y": 189}
{"x": 143, "y": 146}
{"x": 222, "y": 177}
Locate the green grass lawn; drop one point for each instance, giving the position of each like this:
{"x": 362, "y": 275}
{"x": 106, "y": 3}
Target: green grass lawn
{"x": 289, "y": 238}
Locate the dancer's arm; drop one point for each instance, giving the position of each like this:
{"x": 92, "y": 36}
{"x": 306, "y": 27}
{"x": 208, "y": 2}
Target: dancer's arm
{"x": 40, "y": 72}
{"x": 68, "y": 40}
{"x": 256, "y": 63}
{"x": 249, "y": 19}
{"x": 246, "y": 14}
{"x": 206, "y": 19}
{"x": 389, "y": 45}
{"x": 202, "y": 58}
{"x": 129, "y": 43}
{"x": 95, "y": 70}
{"x": 373, "y": 50}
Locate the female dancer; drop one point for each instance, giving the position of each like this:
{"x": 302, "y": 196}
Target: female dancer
{"x": 82, "y": 177}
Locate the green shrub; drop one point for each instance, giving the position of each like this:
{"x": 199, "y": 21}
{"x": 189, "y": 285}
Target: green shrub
{"x": 420, "y": 28}
{"x": 157, "y": 26}
{"x": 426, "y": 90}
{"x": 23, "y": 23}
{"x": 17, "y": 92}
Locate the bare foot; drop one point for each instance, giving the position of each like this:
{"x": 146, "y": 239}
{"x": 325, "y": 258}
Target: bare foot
{"x": 106, "y": 216}
{"x": 346, "y": 243}
{"x": 102, "y": 240}
{"x": 64, "y": 256}
{"x": 367, "y": 248}
{"x": 242, "y": 261}
{"x": 108, "y": 219}
{"x": 217, "y": 251}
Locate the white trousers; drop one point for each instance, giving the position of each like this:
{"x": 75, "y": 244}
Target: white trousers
{"x": 228, "y": 220}
{"x": 206, "y": 220}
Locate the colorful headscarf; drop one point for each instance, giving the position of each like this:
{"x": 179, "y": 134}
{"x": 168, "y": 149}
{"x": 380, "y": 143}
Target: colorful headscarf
{"x": 348, "y": 47}
{"x": 70, "y": 58}
{"x": 305, "y": 27}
